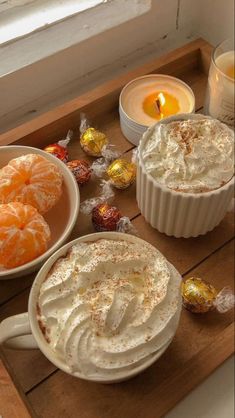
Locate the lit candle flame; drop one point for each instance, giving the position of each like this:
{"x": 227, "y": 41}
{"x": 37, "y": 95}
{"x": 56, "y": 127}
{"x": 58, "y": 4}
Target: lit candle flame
{"x": 160, "y": 101}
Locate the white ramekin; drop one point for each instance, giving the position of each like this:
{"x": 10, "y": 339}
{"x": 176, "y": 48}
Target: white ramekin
{"x": 177, "y": 213}
{"x": 22, "y": 331}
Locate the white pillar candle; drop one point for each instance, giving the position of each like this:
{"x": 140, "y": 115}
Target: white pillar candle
{"x": 150, "y": 98}
{"x": 220, "y": 90}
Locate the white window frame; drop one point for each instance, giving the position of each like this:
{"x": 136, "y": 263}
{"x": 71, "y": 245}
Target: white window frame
{"x": 59, "y": 28}
{"x": 8, "y": 4}
{"x": 20, "y": 18}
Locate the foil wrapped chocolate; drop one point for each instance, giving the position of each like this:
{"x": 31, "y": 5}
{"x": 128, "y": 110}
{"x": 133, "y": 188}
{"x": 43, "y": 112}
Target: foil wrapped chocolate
{"x": 200, "y": 296}
{"x": 121, "y": 173}
{"x": 81, "y": 170}
{"x": 59, "y": 149}
{"x": 105, "y": 217}
{"x": 96, "y": 144}
{"x": 109, "y": 218}
{"x": 93, "y": 142}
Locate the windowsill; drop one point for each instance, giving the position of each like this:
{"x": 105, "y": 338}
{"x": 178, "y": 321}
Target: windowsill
{"x": 59, "y": 28}
{"x": 24, "y": 20}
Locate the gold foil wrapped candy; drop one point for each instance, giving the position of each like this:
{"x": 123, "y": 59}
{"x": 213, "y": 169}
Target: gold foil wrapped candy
{"x": 200, "y": 296}
{"x": 121, "y": 173}
{"x": 93, "y": 141}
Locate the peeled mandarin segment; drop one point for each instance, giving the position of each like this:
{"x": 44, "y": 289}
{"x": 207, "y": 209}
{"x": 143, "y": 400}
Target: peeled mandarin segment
{"x": 24, "y": 234}
{"x": 31, "y": 179}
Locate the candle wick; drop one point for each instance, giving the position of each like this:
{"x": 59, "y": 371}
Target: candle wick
{"x": 158, "y": 106}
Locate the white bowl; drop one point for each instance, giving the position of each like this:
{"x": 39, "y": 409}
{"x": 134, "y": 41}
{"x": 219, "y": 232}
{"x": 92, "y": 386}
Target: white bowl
{"x": 61, "y": 218}
{"x": 177, "y": 213}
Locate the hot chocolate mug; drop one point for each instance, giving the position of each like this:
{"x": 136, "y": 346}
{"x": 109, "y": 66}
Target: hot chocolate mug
{"x": 23, "y": 331}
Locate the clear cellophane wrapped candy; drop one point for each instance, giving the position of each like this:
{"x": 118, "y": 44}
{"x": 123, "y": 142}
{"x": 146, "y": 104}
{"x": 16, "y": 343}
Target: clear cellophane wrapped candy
{"x": 120, "y": 172}
{"x": 59, "y": 149}
{"x": 199, "y": 296}
{"x": 95, "y": 143}
{"x": 106, "y": 217}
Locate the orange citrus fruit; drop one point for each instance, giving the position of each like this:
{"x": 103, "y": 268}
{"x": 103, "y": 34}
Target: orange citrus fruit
{"x": 24, "y": 234}
{"x": 31, "y": 179}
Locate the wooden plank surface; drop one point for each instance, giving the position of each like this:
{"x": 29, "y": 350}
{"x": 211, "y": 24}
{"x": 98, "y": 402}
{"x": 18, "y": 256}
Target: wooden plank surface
{"x": 125, "y": 200}
{"x": 53, "y": 393}
{"x": 183, "y": 253}
{"x": 11, "y": 402}
{"x": 132, "y": 399}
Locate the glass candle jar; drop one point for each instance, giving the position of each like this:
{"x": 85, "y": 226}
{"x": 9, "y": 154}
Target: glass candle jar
{"x": 219, "y": 102}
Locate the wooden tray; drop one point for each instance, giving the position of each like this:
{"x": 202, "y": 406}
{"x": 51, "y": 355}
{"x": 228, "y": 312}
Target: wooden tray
{"x": 11, "y": 401}
{"x": 202, "y": 342}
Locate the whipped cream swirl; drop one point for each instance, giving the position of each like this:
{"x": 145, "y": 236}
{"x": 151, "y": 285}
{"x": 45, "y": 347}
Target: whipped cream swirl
{"x": 190, "y": 156}
{"x": 108, "y": 305}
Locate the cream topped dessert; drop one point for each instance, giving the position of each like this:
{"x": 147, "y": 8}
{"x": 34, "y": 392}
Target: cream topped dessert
{"x": 109, "y": 305}
{"x": 191, "y": 156}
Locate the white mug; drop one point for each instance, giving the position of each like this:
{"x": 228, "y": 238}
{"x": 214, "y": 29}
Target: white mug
{"x": 23, "y": 331}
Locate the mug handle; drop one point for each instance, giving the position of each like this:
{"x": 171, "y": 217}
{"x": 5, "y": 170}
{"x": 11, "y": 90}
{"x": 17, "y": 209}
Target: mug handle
{"x": 15, "y": 332}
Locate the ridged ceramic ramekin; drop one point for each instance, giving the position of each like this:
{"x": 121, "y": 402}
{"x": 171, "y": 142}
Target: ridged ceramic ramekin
{"x": 177, "y": 213}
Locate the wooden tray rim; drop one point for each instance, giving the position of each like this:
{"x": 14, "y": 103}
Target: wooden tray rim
{"x": 224, "y": 340}
{"x": 199, "y": 46}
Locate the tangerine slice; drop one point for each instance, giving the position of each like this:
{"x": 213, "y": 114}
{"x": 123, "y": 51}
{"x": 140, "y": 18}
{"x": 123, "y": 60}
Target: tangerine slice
{"x": 24, "y": 234}
{"x": 31, "y": 179}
